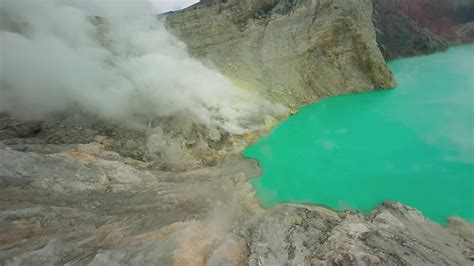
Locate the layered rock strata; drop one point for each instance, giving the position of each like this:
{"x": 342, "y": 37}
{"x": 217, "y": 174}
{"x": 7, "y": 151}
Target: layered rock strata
{"x": 292, "y": 52}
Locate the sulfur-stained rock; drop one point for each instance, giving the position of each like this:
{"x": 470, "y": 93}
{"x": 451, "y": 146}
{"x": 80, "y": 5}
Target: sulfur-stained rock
{"x": 292, "y": 52}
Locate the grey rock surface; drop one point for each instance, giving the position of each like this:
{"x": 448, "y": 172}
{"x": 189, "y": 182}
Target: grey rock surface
{"x": 393, "y": 234}
{"x": 291, "y": 52}
{"x": 84, "y": 204}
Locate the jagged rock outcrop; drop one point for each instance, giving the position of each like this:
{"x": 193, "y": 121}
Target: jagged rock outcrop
{"x": 290, "y": 51}
{"x": 393, "y": 234}
{"x": 170, "y": 143}
{"x": 414, "y": 27}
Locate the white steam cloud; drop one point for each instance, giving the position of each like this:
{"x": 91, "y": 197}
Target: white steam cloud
{"x": 112, "y": 59}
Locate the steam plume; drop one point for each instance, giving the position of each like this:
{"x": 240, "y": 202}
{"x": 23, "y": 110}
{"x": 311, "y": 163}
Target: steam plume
{"x": 112, "y": 59}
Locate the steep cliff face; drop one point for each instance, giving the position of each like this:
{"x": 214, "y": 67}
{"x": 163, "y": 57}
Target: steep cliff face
{"x": 441, "y": 17}
{"x": 413, "y": 27}
{"x": 290, "y": 51}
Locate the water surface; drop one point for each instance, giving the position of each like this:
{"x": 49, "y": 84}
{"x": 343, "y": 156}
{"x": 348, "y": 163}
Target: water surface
{"x": 413, "y": 144}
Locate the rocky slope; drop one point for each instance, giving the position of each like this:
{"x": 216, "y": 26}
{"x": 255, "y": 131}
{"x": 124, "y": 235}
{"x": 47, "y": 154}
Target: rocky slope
{"x": 86, "y": 204}
{"x": 63, "y": 202}
{"x": 292, "y": 52}
{"x": 76, "y": 190}
{"x": 414, "y": 27}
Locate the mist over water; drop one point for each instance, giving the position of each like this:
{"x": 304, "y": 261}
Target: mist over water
{"x": 112, "y": 59}
{"x": 413, "y": 144}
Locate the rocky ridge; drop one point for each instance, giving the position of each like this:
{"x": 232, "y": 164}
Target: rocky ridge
{"x": 416, "y": 27}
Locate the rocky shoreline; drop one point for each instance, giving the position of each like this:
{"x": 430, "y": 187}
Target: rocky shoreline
{"x": 78, "y": 190}
{"x": 86, "y": 204}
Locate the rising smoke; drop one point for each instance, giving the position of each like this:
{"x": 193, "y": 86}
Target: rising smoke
{"x": 112, "y": 59}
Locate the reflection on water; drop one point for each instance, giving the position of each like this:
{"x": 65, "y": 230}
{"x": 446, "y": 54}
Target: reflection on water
{"x": 413, "y": 144}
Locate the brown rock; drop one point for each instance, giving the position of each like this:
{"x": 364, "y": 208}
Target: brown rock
{"x": 292, "y": 52}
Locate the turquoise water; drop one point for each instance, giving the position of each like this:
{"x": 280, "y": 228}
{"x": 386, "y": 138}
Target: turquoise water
{"x": 413, "y": 144}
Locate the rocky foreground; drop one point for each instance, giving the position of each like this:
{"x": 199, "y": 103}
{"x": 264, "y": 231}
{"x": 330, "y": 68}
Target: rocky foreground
{"x": 76, "y": 190}
{"x": 67, "y": 199}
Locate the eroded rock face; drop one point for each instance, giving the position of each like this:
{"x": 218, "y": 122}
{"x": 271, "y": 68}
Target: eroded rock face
{"x": 168, "y": 143}
{"x": 392, "y": 234}
{"x": 84, "y": 203}
{"x": 292, "y": 52}
{"x": 414, "y": 27}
